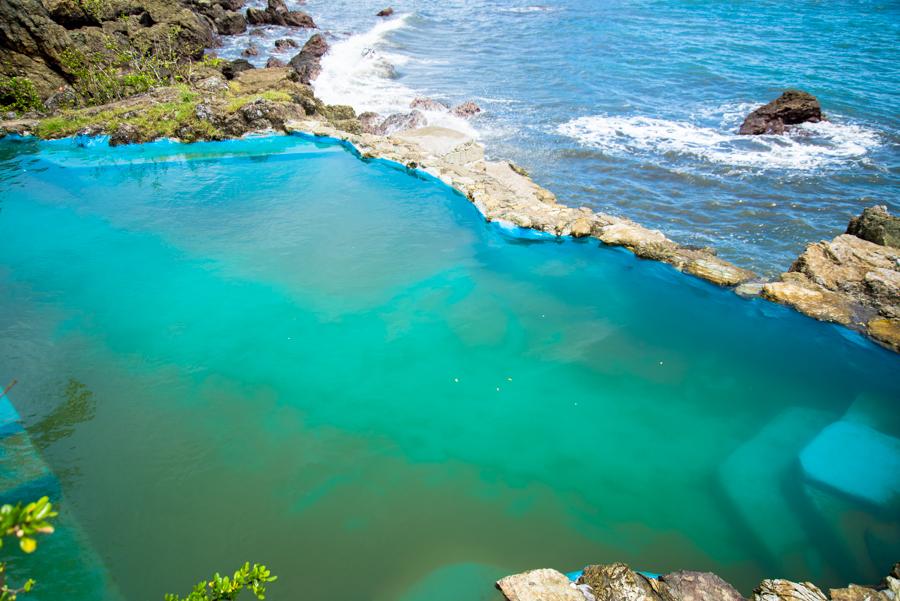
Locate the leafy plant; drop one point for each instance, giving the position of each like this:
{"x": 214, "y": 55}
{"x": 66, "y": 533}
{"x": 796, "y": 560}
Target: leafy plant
{"x": 19, "y": 94}
{"x": 23, "y": 522}
{"x": 95, "y": 8}
{"x": 222, "y": 588}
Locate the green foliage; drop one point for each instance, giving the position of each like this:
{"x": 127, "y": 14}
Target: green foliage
{"x": 95, "y": 8}
{"x": 23, "y": 522}
{"x": 222, "y": 588}
{"x": 122, "y": 70}
{"x": 273, "y": 95}
{"x": 19, "y": 94}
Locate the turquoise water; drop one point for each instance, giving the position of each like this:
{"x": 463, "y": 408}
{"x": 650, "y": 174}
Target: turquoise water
{"x": 270, "y": 350}
{"x": 631, "y": 106}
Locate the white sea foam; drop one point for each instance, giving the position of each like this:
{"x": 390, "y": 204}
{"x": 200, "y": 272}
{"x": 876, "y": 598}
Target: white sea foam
{"x": 534, "y": 8}
{"x": 361, "y": 71}
{"x": 807, "y": 147}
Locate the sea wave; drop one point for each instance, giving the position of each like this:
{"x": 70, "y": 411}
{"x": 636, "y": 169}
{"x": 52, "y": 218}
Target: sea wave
{"x": 808, "y": 146}
{"x": 361, "y": 71}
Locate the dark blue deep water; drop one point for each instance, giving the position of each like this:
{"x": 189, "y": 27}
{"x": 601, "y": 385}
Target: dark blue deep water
{"x": 631, "y": 106}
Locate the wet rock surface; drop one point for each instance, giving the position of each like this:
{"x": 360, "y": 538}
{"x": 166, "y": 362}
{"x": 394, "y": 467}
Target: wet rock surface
{"x": 791, "y": 108}
{"x": 848, "y": 280}
{"x": 877, "y": 225}
{"x": 308, "y": 63}
{"x": 277, "y": 13}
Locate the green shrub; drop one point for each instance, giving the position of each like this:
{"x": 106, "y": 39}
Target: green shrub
{"x": 223, "y": 588}
{"x": 23, "y": 522}
{"x": 19, "y": 94}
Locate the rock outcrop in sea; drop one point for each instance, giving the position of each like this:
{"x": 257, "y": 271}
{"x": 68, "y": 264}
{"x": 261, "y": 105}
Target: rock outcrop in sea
{"x": 618, "y": 582}
{"x": 853, "y": 279}
{"x": 791, "y": 108}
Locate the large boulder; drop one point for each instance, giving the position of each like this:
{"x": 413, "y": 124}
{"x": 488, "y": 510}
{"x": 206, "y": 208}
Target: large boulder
{"x": 32, "y": 45}
{"x": 308, "y": 63}
{"x": 230, "y": 22}
{"x": 857, "y": 593}
{"x": 232, "y": 68}
{"x": 791, "y": 108}
{"x": 699, "y": 586}
{"x": 539, "y": 585}
{"x": 401, "y": 122}
{"x": 877, "y": 225}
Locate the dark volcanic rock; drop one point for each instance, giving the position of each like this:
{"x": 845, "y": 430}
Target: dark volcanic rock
{"x": 251, "y": 50}
{"x": 700, "y": 586}
{"x": 307, "y": 63}
{"x": 230, "y": 23}
{"x": 125, "y": 134}
{"x": 285, "y": 43}
{"x": 230, "y": 70}
{"x": 790, "y": 108}
{"x": 385, "y": 12}
{"x": 276, "y": 13}
{"x": 876, "y": 225}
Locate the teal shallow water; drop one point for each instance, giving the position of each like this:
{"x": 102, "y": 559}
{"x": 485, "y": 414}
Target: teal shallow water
{"x": 294, "y": 357}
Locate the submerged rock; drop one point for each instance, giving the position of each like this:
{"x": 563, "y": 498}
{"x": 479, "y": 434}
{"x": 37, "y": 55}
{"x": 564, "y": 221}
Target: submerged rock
{"x": 791, "y": 108}
{"x": 877, "y": 225}
{"x": 285, "y": 43}
{"x": 539, "y": 585}
{"x": 385, "y": 12}
{"x": 251, "y": 50}
{"x": 308, "y": 63}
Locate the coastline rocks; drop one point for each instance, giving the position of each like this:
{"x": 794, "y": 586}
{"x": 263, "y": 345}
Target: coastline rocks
{"x": 617, "y": 582}
{"x": 847, "y": 280}
{"x": 285, "y": 43}
{"x": 125, "y": 134}
{"x": 466, "y": 110}
{"x": 427, "y": 104}
{"x": 877, "y": 225}
{"x": 231, "y": 69}
{"x": 251, "y": 50}
{"x": 785, "y": 590}
{"x": 308, "y": 63}
{"x": 277, "y": 13}
{"x": 274, "y": 63}
{"x": 369, "y": 122}
{"x": 230, "y": 23}
{"x": 857, "y": 593}
{"x": 385, "y": 12}
{"x": 400, "y": 122}
{"x": 791, "y": 108}
{"x": 699, "y": 586}
{"x": 539, "y": 585}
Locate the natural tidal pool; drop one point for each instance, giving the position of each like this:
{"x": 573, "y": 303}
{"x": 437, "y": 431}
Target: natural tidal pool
{"x": 270, "y": 350}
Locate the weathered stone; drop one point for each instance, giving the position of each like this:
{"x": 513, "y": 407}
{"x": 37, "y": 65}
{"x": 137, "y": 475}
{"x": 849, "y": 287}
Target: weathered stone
{"x": 699, "y": 586}
{"x": 617, "y": 582}
{"x": 718, "y": 271}
{"x": 385, "y": 12}
{"x": 230, "y": 23}
{"x": 466, "y": 110}
{"x": 876, "y": 225}
{"x": 276, "y": 13}
{"x": 427, "y": 104}
{"x": 125, "y": 134}
{"x": 400, "y": 122}
{"x": 785, "y": 590}
{"x": 886, "y": 331}
{"x": 790, "y": 108}
{"x": 795, "y": 290}
{"x": 308, "y": 63}
{"x": 539, "y": 585}
{"x": 251, "y": 50}
{"x": 857, "y": 593}
{"x": 581, "y": 227}
{"x": 369, "y": 122}
{"x": 274, "y": 63}
{"x": 285, "y": 43}
{"x": 231, "y": 69}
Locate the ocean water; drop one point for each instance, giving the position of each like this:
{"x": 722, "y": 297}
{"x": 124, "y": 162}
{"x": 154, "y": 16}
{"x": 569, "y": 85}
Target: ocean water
{"x": 632, "y": 107}
{"x": 270, "y": 350}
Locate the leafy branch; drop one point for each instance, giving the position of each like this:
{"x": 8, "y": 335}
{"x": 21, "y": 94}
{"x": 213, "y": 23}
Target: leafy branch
{"x": 222, "y": 588}
{"x": 23, "y": 522}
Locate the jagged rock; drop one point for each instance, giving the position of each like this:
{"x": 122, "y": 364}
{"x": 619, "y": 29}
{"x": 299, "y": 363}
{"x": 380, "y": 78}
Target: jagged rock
{"x": 785, "y": 590}
{"x": 466, "y": 110}
{"x": 581, "y": 227}
{"x": 203, "y": 112}
{"x": 125, "y": 134}
{"x": 617, "y": 582}
{"x": 70, "y": 14}
{"x": 717, "y": 271}
{"x": 65, "y": 98}
{"x": 277, "y": 13}
{"x": 539, "y": 585}
{"x": 230, "y": 23}
{"x": 700, "y": 586}
{"x": 274, "y": 62}
{"x": 212, "y": 84}
{"x": 307, "y": 63}
{"x": 251, "y": 50}
{"x": 231, "y": 69}
{"x": 285, "y": 43}
{"x": 385, "y": 12}
{"x": 400, "y": 122}
{"x": 857, "y": 593}
{"x": 791, "y": 108}
{"x": 369, "y": 122}
{"x": 877, "y": 225}
{"x": 427, "y": 104}
{"x": 887, "y": 332}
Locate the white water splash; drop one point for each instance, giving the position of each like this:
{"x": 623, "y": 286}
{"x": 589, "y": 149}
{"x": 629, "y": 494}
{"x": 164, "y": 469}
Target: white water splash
{"x": 361, "y": 71}
{"x": 808, "y": 146}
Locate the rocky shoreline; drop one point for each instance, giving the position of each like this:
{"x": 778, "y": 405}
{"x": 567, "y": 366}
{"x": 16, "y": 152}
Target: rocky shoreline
{"x": 617, "y": 582}
{"x": 853, "y": 280}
